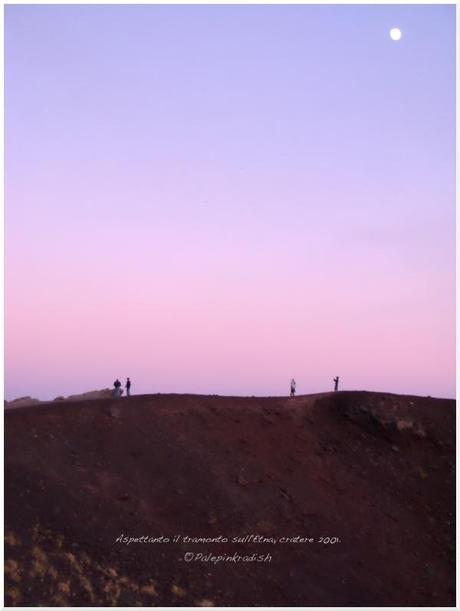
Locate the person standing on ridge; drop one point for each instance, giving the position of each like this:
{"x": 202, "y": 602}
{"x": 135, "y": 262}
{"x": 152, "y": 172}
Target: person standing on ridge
{"x": 336, "y": 384}
{"x": 293, "y": 384}
{"x": 128, "y": 387}
{"x": 116, "y": 390}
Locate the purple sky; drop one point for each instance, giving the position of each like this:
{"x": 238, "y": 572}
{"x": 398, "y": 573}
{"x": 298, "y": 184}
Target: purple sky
{"x": 215, "y": 199}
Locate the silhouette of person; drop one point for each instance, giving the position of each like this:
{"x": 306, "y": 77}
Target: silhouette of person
{"x": 128, "y": 387}
{"x": 293, "y": 384}
{"x": 336, "y": 384}
{"x": 117, "y": 385}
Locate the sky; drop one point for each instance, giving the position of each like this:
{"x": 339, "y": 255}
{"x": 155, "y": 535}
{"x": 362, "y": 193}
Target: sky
{"x": 216, "y": 199}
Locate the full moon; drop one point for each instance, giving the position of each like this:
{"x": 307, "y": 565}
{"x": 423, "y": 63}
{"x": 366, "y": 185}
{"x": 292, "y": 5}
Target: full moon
{"x": 395, "y": 33}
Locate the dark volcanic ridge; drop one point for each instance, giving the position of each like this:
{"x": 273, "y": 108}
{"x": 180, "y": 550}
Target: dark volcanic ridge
{"x": 373, "y": 472}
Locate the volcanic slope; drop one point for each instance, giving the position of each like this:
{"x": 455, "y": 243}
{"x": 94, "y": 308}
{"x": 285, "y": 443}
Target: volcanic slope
{"x": 374, "y": 472}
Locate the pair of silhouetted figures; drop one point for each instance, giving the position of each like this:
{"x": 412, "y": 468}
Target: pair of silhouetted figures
{"x": 293, "y": 385}
{"x": 118, "y": 391}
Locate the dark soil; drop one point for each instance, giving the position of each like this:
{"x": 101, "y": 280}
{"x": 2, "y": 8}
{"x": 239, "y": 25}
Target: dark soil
{"x": 374, "y": 470}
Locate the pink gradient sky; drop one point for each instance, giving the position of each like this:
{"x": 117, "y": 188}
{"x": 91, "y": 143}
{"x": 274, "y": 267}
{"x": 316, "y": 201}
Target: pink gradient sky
{"x": 213, "y": 199}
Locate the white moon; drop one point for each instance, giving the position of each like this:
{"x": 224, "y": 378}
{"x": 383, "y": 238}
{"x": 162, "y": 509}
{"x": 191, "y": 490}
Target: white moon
{"x": 395, "y": 33}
